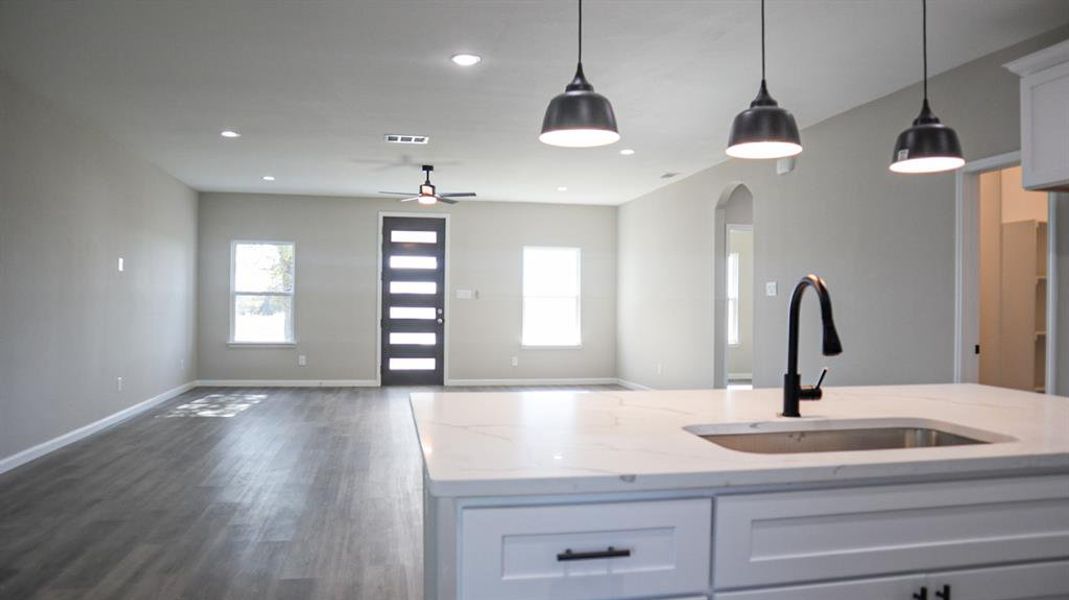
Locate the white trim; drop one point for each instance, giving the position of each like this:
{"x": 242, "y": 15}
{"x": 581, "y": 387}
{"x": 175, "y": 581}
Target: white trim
{"x": 1051, "y": 383}
{"x": 535, "y": 381}
{"x": 287, "y": 383}
{"x": 631, "y": 385}
{"x": 1041, "y": 60}
{"x": 740, "y": 376}
{"x": 34, "y": 452}
{"x": 447, "y": 306}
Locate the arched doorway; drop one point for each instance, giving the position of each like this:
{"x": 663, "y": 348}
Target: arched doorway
{"x": 734, "y": 287}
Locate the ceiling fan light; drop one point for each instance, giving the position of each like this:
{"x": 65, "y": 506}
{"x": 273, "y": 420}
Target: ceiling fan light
{"x": 764, "y": 130}
{"x": 927, "y": 146}
{"x": 427, "y": 200}
{"x": 580, "y": 117}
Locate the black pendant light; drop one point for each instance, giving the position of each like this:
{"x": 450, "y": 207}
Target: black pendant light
{"x": 764, "y": 130}
{"x": 580, "y": 117}
{"x": 928, "y": 146}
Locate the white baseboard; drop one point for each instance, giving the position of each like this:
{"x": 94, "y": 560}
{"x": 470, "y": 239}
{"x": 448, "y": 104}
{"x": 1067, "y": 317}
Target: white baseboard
{"x": 288, "y": 383}
{"x": 631, "y": 385}
{"x": 25, "y": 456}
{"x": 533, "y": 381}
{"x": 740, "y": 375}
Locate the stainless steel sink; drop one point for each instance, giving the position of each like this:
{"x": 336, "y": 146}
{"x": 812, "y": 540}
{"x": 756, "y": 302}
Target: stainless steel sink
{"x": 769, "y": 438}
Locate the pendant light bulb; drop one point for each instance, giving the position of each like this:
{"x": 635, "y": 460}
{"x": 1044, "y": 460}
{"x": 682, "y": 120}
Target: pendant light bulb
{"x": 765, "y": 130}
{"x": 580, "y": 117}
{"x": 927, "y": 146}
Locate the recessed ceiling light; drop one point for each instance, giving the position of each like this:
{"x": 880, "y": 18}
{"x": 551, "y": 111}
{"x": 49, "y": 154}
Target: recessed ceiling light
{"x": 627, "y": 152}
{"x": 229, "y": 133}
{"x": 562, "y": 189}
{"x": 268, "y": 177}
{"x": 466, "y": 60}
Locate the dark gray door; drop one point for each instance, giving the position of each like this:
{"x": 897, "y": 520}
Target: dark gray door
{"x": 413, "y": 301}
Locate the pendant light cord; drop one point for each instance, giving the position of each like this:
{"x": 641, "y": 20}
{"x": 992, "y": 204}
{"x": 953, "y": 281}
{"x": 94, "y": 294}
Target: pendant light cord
{"x": 924, "y": 32}
{"x": 762, "y": 40}
{"x": 580, "y": 31}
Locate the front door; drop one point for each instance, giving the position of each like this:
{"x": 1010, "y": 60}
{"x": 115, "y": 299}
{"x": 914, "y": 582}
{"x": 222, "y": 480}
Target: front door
{"x": 413, "y": 301}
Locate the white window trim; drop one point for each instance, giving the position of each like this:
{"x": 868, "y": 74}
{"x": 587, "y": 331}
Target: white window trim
{"x": 231, "y": 299}
{"x": 578, "y": 300}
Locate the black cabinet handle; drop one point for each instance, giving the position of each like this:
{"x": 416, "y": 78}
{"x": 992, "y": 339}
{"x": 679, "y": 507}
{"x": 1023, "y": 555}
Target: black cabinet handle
{"x": 609, "y": 552}
{"x": 921, "y": 595}
{"x": 943, "y": 594}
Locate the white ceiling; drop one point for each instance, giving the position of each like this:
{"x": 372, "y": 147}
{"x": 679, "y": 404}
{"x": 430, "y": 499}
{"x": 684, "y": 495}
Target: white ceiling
{"x": 314, "y": 84}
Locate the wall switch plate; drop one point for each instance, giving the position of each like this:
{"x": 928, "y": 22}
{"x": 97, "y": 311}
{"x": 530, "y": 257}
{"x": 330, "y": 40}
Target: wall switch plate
{"x": 660, "y": 369}
{"x": 467, "y": 294}
{"x": 515, "y": 361}
{"x": 302, "y": 360}
{"x": 785, "y": 165}
{"x": 771, "y": 289}
{"x": 122, "y": 264}
{"x": 118, "y": 384}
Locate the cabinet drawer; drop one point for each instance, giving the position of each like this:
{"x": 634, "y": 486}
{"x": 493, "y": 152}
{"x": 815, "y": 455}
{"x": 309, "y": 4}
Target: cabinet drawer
{"x": 765, "y": 539}
{"x": 563, "y": 552}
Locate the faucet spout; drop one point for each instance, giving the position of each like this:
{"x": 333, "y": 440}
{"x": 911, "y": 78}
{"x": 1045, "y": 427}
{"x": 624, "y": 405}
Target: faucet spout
{"x": 793, "y": 391}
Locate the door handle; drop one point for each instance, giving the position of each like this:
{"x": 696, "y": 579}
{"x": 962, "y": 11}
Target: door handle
{"x": 609, "y": 552}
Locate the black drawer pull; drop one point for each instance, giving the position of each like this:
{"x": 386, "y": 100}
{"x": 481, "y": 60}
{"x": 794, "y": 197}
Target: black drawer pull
{"x": 609, "y": 552}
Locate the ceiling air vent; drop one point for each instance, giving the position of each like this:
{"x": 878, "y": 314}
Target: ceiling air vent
{"x": 399, "y": 138}
{"x": 669, "y": 175}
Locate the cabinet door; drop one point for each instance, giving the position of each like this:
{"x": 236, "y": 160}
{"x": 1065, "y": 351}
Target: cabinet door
{"x": 883, "y": 588}
{"x": 1045, "y": 128}
{"x": 1042, "y": 581}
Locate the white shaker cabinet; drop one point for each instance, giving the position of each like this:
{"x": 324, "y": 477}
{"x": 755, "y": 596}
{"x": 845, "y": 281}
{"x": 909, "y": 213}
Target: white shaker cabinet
{"x": 1045, "y": 117}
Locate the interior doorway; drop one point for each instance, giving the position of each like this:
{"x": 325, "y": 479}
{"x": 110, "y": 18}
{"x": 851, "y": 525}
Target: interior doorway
{"x": 733, "y": 349}
{"x": 1013, "y": 244}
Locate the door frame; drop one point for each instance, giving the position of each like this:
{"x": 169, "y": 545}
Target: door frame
{"x": 967, "y": 270}
{"x": 378, "y": 289}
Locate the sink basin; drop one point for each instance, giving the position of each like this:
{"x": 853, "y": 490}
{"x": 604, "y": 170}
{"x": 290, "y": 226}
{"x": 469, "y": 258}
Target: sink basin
{"x": 840, "y": 436}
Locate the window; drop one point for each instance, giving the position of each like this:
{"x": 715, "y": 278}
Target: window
{"x": 733, "y": 299}
{"x": 261, "y": 293}
{"x": 551, "y": 297}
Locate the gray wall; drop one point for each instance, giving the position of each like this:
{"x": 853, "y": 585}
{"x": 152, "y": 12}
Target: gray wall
{"x": 71, "y": 202}
{"x": 884, "y": 242}
{"x": 336, "y": 294}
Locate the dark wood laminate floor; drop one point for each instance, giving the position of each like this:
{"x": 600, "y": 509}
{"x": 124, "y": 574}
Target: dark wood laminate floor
{"x": 302, "y": 493}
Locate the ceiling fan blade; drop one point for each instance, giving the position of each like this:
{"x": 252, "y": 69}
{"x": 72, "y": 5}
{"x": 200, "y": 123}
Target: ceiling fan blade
{"x": 446, "y": 200}
{"x": 458, "y": 195}
{"x": 410, "y": 199}
{"x": 397, "y": 193}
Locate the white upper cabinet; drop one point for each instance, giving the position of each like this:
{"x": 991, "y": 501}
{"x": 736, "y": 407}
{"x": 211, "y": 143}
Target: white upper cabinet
{"x": 1045, "y": 117}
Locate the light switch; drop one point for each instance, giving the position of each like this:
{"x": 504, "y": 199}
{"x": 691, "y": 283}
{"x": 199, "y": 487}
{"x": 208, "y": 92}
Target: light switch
{"x": 770, "y": 288}
{"x": 302, "y": 360}
{"x": 122, "y": 264}
{"x": 463, "y": 294}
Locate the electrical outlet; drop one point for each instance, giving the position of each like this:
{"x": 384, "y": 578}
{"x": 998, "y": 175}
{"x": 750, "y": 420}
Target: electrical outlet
{"x": 118, "y": 384}
{"x": 515, "y": 361}
{"x": 771, "y": 289}
{"x": 660, "y": 369}
{"x": 302, "y": 360}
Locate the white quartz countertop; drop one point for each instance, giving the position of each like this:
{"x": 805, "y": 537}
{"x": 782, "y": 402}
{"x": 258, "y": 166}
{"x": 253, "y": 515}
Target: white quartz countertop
{"x": 553, "y": 442}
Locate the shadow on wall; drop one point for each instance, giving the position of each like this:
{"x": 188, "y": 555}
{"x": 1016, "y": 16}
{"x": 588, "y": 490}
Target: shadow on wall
{"x": 734, "y": 207}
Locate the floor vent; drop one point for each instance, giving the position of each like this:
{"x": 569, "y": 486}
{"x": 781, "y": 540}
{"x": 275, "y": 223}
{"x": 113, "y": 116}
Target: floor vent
{"x": 398, "y": 138}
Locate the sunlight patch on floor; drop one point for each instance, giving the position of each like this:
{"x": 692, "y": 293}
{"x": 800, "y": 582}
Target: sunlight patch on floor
{"x": 216, "y": 405}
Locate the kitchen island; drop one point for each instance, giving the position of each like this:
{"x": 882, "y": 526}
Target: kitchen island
{"x": 616, "y": 494}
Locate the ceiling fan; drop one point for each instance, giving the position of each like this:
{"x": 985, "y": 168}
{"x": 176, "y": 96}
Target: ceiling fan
{"x": 428, "y": 194}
